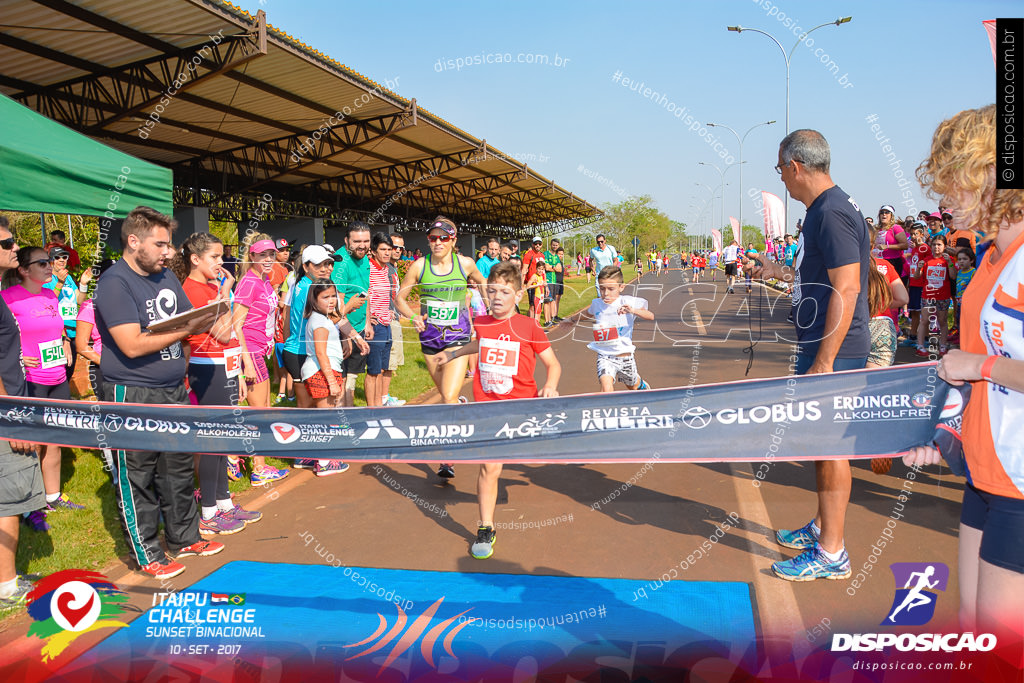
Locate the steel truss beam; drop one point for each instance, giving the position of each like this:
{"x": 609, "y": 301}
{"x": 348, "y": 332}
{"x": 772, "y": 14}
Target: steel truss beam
{"x": 107, "y": 95}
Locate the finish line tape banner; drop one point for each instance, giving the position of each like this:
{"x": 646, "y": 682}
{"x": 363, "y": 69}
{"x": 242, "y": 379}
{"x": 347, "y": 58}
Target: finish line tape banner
{"x": 857, "y": 414}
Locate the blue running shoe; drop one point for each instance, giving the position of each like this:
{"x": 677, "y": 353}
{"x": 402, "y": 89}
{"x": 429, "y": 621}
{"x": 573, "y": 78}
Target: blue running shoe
{"x": 803, "y": 538}
{"x": 325, "y": 468}
{"x": 265, "y": 475}
{"x": 812, "y": 564}
{"x": 303, "y": 463}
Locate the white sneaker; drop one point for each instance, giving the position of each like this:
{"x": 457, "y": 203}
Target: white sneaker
{"x": 390, "y": 400}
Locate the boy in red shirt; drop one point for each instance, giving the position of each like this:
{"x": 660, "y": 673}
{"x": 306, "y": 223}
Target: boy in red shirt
{"x": 508, "y": 344}
{"x": 937, "y": 270}
{"x": 915, "y": 256}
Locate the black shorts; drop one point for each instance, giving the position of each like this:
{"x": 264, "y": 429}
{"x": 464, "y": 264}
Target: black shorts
{"x": 557, "y": 288}
{"x": 293, "y": 364}
{"x": 355, "y": 364}
{"x": 730, "y": 269}
{"x": 61, "y": 392}
{"x": 1001, "y": 522}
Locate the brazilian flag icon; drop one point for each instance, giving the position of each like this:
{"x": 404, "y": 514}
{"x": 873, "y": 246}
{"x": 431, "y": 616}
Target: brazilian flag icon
{"x": 237, "y": 599}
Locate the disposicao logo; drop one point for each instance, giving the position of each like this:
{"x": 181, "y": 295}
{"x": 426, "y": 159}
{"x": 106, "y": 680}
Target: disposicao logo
{"x": 71, "y": 602}
{"x": 914, "y": 605}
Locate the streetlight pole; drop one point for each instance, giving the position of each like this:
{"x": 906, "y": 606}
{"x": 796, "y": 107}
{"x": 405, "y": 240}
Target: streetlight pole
{"x": 788, "y": 57}
{"x": 721, "y": 174}
{"x": 741, "y": 141}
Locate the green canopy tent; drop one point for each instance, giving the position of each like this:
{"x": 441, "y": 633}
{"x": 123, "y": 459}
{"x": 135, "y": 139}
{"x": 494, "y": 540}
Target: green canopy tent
{"x": 48, "y": 168}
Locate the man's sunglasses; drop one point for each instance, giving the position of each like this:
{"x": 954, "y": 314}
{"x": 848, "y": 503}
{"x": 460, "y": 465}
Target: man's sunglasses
{"x": 439, "y": 238}
{"x": 7, "y": 244}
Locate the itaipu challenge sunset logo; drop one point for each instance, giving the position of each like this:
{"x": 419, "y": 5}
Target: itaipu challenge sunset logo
{"x": 70, "y": 603}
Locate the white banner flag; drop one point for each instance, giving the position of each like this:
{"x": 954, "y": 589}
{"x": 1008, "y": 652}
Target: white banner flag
{"x": 774, "y": 216}
{"x": 737, "y": 234}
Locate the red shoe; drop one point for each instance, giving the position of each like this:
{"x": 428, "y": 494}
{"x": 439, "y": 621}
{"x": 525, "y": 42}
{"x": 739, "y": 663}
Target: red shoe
{"x": 163, "y": 568}
{"x": 923, "y": 353}
{"x": 201, "y": 548}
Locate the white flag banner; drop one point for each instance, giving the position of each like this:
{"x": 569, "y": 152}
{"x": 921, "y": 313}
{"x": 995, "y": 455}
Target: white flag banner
{"x": 716, "y": 238}
{"x": 737, "y": 234}
{"x": 774, "y": 216}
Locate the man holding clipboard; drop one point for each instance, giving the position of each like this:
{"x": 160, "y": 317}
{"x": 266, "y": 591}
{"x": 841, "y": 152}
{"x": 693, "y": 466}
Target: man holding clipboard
{"x": 140, "y": 365}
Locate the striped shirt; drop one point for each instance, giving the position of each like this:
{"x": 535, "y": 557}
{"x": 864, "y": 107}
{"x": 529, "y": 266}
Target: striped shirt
{"x": 381, "y": 289}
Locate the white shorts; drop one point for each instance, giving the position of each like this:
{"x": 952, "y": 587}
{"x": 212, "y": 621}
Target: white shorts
{"x": 622, "y": 368}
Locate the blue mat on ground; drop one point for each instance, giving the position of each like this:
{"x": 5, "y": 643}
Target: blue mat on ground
{"x": 356, "y": 622}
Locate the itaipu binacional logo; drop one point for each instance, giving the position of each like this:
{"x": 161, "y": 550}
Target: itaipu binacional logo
{"x": 72, "y": 602}
{"x": 411, "y": 635}
{"x": 914, "y": 603}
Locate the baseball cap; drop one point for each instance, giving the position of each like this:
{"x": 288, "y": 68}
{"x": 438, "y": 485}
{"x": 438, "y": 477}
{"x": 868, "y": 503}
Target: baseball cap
{"x": 442, "y": 223}
{"x": 282, "y": 244}
{"x": 537, "y": 238}
{"x": 947, "y": 213}
{"x": 887, "y": 207}
{"x": 935, "y": 215}
{"x": 316, "y": 253}
{"x": 58, "y": 252}
{"x": 920, "y": 224}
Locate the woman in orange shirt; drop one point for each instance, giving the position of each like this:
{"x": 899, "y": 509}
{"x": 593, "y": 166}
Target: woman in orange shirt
{"x": 961, "y": 170}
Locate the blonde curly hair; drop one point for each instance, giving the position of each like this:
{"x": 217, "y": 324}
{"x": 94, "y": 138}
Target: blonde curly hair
{"x": 960, "y": 172}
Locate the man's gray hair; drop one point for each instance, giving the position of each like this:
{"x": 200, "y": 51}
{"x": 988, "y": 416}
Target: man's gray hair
{"x": 808, "y": 147}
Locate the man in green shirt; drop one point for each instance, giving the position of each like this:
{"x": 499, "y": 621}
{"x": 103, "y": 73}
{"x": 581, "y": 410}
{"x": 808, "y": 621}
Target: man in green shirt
{"x": 554, "y": 268}
{"x": 351, "y": 275}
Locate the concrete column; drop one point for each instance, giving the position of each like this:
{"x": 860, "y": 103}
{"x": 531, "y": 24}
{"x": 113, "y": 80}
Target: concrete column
{"x": 191, "y": 219}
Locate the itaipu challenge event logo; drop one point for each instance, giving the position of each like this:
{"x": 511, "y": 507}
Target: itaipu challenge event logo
{"x": 70, "y": 603}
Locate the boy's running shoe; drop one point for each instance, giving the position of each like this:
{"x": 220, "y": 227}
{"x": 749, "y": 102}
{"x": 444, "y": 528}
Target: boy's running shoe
{"x": 220, "y": 523}
{"x": 391, "y": 402}
{"x": 243, "y": 515}
{"x": 303, "y": 463}
{"x": 266, "y": 474}
{"x": 325, "y": 468}
{"x": 800, "y": 539}
{"x": 234, "y": 469}
{"x": 201, "y": 548}
{"x": 63, "y": 503}
{"x": 36, "y": 520}
{"x": 22, "y": 588}
{"x": 923, "y": 353}
{"x": 643, "y": 385}
{"x": 812, "y": 564}
{"x": 484, "y": 545}
{"x": 446, "y": 471}
{"x": 164, "y": 568}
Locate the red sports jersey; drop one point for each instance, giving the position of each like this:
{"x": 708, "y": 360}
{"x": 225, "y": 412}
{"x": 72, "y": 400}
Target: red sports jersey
{"x": 508, "y": 356}
{"x": 890, "y": 275}
{"x": 918, "y": 254}
{"x": 936, "y": 276}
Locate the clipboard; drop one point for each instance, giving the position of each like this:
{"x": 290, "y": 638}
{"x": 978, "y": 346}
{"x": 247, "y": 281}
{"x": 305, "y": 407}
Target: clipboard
{"x": 180, "y": 320}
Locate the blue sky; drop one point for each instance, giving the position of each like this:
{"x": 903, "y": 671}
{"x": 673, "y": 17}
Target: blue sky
{"x": 910, "y": 64}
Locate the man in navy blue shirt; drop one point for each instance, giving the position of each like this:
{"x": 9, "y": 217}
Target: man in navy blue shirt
{"x": 830, "y": 283}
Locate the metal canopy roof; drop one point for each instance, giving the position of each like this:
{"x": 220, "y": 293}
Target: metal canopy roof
{"x": 246, "y": 116}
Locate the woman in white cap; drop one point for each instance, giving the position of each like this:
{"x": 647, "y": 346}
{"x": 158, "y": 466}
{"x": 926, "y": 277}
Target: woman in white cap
{"x": 892, "y": 238}
{"x": 443, "y": 320}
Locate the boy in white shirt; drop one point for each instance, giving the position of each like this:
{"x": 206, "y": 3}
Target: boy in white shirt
{"x": 613, "y": 314}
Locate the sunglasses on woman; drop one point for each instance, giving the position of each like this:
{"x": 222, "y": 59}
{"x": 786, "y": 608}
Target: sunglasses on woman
{"x": 40, "y": 262}
{"x": 439, "y": 238}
